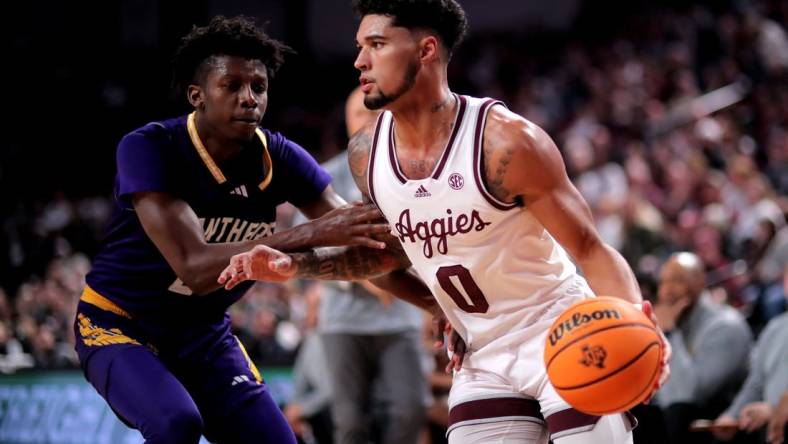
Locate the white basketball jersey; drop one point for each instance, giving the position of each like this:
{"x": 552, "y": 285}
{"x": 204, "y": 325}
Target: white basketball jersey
{"x": 494, "y": 269}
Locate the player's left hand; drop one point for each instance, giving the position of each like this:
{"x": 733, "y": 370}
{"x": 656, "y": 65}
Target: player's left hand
{"x": 261, "y": 263}
{"x": 353, "y": 224}
{"x": 664, "y": 374}
{"x": 442, "y": 328}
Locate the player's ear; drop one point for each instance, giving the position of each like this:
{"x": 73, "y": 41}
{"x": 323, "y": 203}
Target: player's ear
{"x": 195, "y": 96}
{"x": 429, "y": 49}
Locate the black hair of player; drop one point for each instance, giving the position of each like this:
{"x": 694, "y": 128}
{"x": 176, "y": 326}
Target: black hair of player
{"x": 235, "y": 36}
{"x": 444, "y": 17}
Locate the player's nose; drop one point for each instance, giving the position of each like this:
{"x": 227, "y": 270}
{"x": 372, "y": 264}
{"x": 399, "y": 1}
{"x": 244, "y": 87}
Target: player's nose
{"x": 362, "y": 60}
{"x": 247, "y": 97}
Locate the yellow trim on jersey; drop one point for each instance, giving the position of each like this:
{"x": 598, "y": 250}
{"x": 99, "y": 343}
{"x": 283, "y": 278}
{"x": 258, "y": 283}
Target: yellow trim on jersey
{"x": 249, "y": 362}
{"x": 266, "y": 161}
{"x": 216, "y": 172}
{"x": 206, "y": 157}
{"x": 90, "y": 296}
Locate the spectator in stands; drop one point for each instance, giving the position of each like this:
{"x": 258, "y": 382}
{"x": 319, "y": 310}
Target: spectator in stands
{"x": 757, "y": 401}
{"x": 12, "y": 357}
{"x": 5, "y": 307}
{"x": 710, "y": 345}
{"x": 309, "y": 412}
{"x": 776, "y": 431}
{"x": 264, "y": 346}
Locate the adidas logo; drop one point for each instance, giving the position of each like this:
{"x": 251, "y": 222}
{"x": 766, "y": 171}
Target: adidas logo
{"x": 422, "y": 192}
{"x": 239, "y": 379}
{"x": 240, "y": 191}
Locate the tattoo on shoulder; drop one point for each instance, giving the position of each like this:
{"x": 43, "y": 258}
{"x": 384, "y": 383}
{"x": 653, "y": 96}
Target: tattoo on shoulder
{"x": 495, "y": 169}
{"x": 358, "y": 156}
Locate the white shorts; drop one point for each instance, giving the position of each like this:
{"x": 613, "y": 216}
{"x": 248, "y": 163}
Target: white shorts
{"x": 506, "y": 381}
{"x": 511, "y": 366}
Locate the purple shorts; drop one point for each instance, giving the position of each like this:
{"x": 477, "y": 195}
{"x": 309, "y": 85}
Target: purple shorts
{"x": 153, "y": 375}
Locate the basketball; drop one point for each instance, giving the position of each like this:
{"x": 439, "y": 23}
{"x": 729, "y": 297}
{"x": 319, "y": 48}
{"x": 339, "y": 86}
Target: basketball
{"x": 603, "y": 355}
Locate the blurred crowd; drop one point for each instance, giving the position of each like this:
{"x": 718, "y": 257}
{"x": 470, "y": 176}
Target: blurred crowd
{"x": 673, "y": 126}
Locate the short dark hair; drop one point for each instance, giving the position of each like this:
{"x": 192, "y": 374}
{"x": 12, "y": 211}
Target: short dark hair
{"x": 235, "y": 36}
{"x": 445, "y": 17}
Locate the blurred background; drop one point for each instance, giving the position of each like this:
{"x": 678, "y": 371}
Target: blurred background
{"x": 672, "y": 117}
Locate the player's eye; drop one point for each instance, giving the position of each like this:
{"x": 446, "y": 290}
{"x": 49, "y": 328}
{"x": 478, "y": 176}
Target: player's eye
{"x": 259, "y": 88}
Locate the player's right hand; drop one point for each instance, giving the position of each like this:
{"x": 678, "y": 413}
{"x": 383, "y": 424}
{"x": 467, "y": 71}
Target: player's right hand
{"x": 350, "y": 225}
{"x": 664, "y": 374}
{"x": 261, "y": 263}
{"x": 456, "y": 346}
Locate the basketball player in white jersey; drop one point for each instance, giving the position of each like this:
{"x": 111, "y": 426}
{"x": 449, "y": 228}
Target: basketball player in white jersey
{"x": 480, "y": 201}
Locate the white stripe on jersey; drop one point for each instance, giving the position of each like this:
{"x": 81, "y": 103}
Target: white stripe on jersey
{"x": 492, "y": 266}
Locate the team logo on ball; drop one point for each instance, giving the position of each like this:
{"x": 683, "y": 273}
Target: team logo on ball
{"x": 593, "y": 356}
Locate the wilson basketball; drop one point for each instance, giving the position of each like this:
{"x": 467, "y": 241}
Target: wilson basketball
{"x": 603, "y": 355}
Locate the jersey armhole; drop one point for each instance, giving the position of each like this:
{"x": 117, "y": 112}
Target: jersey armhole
{"x": 371, "y": 160}
{"x": 478, "y": 158}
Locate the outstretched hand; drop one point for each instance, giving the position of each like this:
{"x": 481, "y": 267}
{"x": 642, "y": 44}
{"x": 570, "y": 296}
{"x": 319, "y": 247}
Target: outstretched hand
{"x": 261, "y": 263}
{"x": 350, "y": 225}
{"x": 664, "y": 374}
{"x": 441, "y": 328}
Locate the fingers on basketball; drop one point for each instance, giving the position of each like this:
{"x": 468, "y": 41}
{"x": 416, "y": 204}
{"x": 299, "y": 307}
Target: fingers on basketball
{"x": 604, "y": 355}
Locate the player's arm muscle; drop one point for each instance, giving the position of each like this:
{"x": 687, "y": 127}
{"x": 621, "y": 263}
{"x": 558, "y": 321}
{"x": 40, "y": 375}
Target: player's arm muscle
{"x": 522, "y": 162}
{"x": 175, "y": 229}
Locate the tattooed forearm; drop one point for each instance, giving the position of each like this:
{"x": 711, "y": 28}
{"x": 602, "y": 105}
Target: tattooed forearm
{"x": 344, "y": 264}
{"x": 352, "y": 264}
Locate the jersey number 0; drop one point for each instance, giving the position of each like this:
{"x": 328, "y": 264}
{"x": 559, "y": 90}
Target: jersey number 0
{"x": 475, "y": 302}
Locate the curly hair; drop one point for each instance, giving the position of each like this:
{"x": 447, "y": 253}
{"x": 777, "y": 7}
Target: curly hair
{"x": 235, "y": 36}
{"x": 444, "y": 17}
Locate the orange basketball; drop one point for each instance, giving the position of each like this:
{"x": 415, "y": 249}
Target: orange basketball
{"x": 603, "y": 355}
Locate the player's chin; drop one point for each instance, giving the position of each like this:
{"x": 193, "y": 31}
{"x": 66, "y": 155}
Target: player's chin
{"x": 375, "y": 101}
{"x": 243, "y": 130}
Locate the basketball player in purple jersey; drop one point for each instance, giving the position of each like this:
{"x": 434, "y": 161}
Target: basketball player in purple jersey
{"x": 153, "y": 336}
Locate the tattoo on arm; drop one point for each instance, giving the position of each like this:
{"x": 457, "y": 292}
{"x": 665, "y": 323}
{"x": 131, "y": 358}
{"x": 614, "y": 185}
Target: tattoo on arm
{"x": 344, "y": 264}
{"x": 358, "y": 263}
{"x": 495, "y": 172}
{"x": 351, "y": 264}
{"x": 358, "y": 157}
